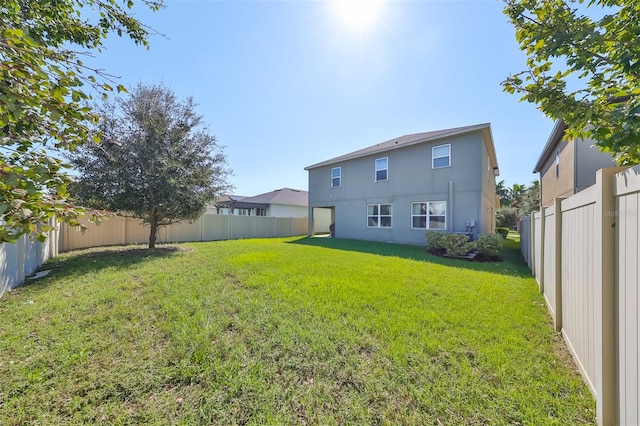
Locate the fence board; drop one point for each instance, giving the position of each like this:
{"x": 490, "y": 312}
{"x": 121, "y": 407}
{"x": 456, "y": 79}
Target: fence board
{"x": 549, "y": 259}
{"x": 20, "y": 259}
{"x": 578, "y": 287}
{"x": 209, "y": 227}
{"x": 537, "y": 248}
{"x": 627, "y": 214}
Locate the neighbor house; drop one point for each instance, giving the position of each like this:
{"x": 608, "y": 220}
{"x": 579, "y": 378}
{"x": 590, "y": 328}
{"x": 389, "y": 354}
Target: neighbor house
{"x": 567, "y": 167}
{"x": 285, "y": 202}
{"x": 398, "y": 189}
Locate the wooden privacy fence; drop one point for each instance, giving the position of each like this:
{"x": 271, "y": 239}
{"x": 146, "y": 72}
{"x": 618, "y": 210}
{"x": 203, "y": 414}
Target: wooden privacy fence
{"x": 209, "y": 227}
{"x": 22, "y": 258}
{"x": 584, "y": 252}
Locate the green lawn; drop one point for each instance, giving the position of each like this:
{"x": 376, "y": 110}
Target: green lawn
{"x": 284, "y": 331}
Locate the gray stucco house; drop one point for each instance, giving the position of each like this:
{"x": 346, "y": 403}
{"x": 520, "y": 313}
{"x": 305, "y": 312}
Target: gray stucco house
{"x": 396, "y": 190}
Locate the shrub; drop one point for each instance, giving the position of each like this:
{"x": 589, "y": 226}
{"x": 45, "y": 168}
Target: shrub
{"x": 455, "y": 244}
{"x": 434, "y": 240}
{"x": 489, "y": 244}
{"x": 503, "y": 231}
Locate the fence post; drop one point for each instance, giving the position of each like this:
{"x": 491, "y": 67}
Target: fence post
{"x": 542, "y": 257}
{"x": 604, "y": 283}
{"x": 557, "y": 235}
{"x": 21, "y": 249}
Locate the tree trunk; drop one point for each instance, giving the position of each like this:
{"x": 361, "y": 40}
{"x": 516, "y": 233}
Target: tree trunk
{"x": 153, "y": 233}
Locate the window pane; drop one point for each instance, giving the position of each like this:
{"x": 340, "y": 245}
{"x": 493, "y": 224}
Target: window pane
{"x": 335, "y": 181}
{"x": 419, "y": 222}
{"x": 372, "y": 221}
{"x": 381, "y": 163}
{"x": 441, "y": 162}
{"x": 335, "y": 172}
{"x": 441, "y": 151}
{"x": 372, "y": 209}
{"x": 381, "y": 175}
{"x": 436, "y": 222}
{"x": 385, "y": 209}
{"x": 419, "y": 208}
{"x": 385, "y": 221}
{"x": 437, "y": 208}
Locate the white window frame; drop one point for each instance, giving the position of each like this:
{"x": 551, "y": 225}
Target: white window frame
{"x": 427, "y": 215}
{"x": 339, "y": 177}
{"x": 386, "y": 169}
{"x": 379, "y": 216}
{"x": 434, "y": 158}
{"x": 557, "y": 164}
{"x": 488, "y": 168}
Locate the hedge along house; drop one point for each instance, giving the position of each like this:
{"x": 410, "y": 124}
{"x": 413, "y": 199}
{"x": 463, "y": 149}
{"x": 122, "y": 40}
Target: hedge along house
{"x": 396, "y": 190}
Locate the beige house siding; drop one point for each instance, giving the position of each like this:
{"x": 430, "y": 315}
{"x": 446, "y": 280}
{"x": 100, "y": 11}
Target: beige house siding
{"x": 562, "y": 185}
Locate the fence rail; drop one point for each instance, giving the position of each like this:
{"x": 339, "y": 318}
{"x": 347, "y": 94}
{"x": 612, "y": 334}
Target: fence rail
{"x": 584, "y": 251}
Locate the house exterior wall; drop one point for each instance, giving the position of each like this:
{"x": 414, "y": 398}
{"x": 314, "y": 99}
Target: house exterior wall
{"x": 411, "y": 178}
{"x": 579, "y": 161}
{"x": 552, "y": 186}
{"x": 279, "y": 210}
{"x": 488, "y": 207}
{"x": 589, "y": 159}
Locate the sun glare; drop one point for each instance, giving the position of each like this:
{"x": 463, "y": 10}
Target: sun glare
{"x": 358, "y": 15}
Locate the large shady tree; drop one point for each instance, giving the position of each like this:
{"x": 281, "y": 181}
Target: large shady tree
{"x": 583, "y": 67}
{"x": 155, "y": 161}
{"x": 44, "y": 86}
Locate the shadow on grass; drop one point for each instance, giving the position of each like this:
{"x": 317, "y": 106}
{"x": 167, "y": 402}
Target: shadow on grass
{"x": 86, "y": 261}
{"x": 512, "y": 263}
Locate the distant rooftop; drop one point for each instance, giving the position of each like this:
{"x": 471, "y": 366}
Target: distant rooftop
{"x": 284, "y": 196}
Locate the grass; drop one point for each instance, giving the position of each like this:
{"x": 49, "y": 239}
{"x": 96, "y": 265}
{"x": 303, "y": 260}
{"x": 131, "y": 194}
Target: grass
{"x": 284, "y": 331}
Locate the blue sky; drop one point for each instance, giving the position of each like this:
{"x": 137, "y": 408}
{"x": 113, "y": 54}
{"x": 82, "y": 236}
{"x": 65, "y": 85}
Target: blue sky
{"x": 286, "y": 84}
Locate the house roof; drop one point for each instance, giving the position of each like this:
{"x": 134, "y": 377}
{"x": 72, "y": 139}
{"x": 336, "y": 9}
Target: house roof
{"x": 418, "y": 138}
{"x": 227, "y": 198}
{"x": 284, "y": 196}
{"x": 554, "y": 139}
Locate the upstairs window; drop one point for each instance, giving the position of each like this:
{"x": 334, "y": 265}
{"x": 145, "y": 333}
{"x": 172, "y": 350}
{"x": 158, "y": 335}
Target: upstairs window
{"x": 379, "y": 215}
{"x": 441, "y": 156}
{"x": 429, "y": 215}
{"x": 382, "y": 169}
{"x": 336, "y": 177}
{"x": 558, "y": 164}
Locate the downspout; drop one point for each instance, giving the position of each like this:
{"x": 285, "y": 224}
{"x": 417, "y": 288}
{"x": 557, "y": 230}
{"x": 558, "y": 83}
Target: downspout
{"x": 450, "y": 208}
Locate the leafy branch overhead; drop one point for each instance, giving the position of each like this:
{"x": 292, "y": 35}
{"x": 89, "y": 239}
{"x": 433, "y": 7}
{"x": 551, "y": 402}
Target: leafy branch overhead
{"x": 44, "y": 89}
{"x": 583, "y": 68}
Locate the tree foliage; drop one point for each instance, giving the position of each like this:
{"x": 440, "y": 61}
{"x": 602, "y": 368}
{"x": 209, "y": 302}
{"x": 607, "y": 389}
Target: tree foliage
{"x": 516, "y": 202}
{"x": 155, "y": 162}
{"x": 44, "y": 88}
{"x": 581, "y": 69}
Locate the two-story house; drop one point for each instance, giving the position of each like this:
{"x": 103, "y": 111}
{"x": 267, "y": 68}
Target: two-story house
{"x": 398, "y": 189}
{"x": 567, "y": 167}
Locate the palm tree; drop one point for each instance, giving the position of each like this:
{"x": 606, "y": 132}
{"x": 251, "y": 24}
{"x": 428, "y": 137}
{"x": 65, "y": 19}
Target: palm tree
{"x": 504, "y": 193}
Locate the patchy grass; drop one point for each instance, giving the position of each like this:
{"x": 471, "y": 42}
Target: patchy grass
{"x": 283, "y": 331}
